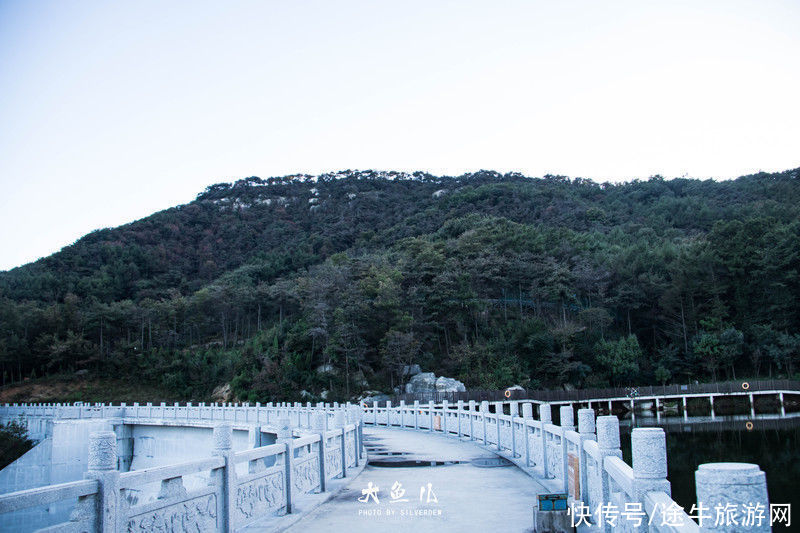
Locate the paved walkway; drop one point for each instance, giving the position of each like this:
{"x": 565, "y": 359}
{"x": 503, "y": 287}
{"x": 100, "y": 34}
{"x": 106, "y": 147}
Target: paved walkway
{"x": 463, "y": 496}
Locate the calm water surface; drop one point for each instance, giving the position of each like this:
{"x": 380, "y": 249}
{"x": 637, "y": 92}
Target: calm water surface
{"x": 772, "y": 444}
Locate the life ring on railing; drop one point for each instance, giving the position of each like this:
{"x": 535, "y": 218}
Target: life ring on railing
{"x": 507, "y": 393}
{"x": 749, "y": 425}
{"x": 745, "y": 385}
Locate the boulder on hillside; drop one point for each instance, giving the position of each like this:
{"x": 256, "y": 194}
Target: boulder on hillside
{"x": 370, "y": 396}
{"x": 421, "y": 383}
{"x": 427, "y": 382}
{"x": 444, "y": 384}
{"x": 222, "y": 394}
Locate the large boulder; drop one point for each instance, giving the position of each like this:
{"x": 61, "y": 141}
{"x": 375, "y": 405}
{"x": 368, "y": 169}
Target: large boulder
{"x": 427, "y": 382}
{"x": 422, "y": 383}
{"x": 222, "y": 393}
{"x": 370, "y": 396}
{"x": 444, "y": 384}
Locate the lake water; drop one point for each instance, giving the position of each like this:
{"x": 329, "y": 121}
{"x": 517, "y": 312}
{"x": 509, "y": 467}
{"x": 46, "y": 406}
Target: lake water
{"x": 772, "y": 443}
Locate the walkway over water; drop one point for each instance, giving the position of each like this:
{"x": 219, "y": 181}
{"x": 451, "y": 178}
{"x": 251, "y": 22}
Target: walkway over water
{"x": 467, "y": 497}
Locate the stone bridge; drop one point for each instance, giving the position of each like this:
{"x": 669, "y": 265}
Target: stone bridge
{"x": 253, "y": 467}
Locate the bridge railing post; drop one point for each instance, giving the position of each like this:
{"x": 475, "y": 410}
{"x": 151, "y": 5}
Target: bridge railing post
{"x": 484, "y": 413}
{"x": 318, "y": 424}
{"x": 527, "y": 414}
{"x": 459, "y": 410}
{"x": 649, "y": 458}
{"x": 103, "y": 468}
{"x": 545, "y": 417}
{"x": 430, "y": 415}
{"x": 609, "y": 445}
{"x": 498, "y": 410}
{"x": 225, "y": 476}
{"x": 567, "y": 423}
{"x": 445, "y": 410}
{"x": 402, "y": 409}
{"x": 471, "y": 407}
{"x": 586, "y": 430}
{"x": 742, "y": 485}
{"x": 285, "y": 436}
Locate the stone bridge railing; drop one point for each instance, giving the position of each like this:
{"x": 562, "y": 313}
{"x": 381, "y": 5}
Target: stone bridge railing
{"x": 35, "y": 416}
{"x": 586, "y": 463}
{"x": 224, "y": 492}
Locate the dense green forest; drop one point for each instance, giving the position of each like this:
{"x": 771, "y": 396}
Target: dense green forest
{"x": 290, "y": 287}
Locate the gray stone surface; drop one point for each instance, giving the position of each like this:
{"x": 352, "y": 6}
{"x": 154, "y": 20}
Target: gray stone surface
{"x": 738, "y": 484}
{"x": 586, "y": 421}
{"x": 567, "y": 417}
{"x": 444, "y": 384}
{"x": 608, "y": 432}
{"x": 423, "y": 382}
{"x": 103, "y": 451}
{"x": 427, "y": 382}
{"x": 649, "y": 453}
{"x": 546, "y": 413}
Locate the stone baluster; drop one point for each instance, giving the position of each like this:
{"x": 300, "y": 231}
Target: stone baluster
{"x": 586, "y": 429}
{"x": 737, "y": 484}
{"x": 567, "y": 417}
{"x": 471, "y": 407}
{"x": 498, "y": 410}
{"x": 445, "y": 410}
{"x": 567, "y": 423}
{"x": 649, "y": 458}
{"x": 103, "y": 468}
{"x": 285, "y": 436}
{"x": 546, "y": 413}
{"x": 545, "y": 417}
{"x": 319, "y": 421}
{"x": 484, "y": 412}
{"x": 459, "y": 409}
{"x": 527, "y": 414}
{"x": 225, "y": 477}
{"x": 609, "y": 445}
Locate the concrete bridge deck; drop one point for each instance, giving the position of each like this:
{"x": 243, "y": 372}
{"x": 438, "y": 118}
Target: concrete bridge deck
{"x": 469, "y": 497}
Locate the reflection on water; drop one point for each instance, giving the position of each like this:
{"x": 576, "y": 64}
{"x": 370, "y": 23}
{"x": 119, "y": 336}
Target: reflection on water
{"x": 772, "y": 443}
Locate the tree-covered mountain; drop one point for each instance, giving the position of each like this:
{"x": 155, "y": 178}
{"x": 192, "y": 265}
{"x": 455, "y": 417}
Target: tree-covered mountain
{"x": 334, "y": 283}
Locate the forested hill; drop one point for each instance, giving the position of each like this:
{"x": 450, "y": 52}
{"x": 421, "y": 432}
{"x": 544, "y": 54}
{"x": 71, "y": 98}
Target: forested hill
{"x": 333, "y": 283}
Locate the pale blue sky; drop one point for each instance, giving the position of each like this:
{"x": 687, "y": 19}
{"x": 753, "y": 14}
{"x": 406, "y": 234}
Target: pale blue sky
{"x": 111, "y": 111}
